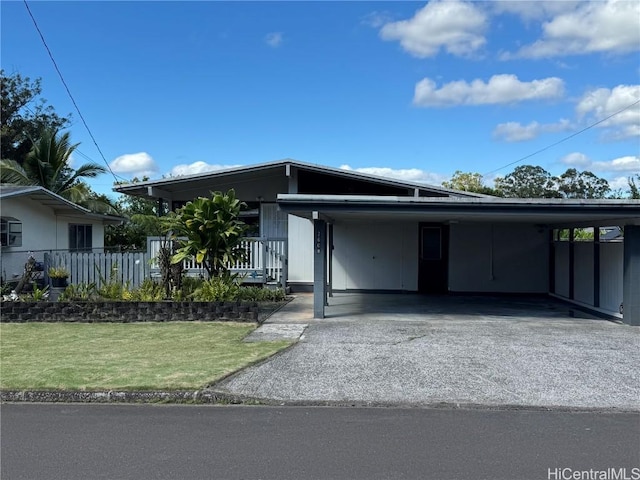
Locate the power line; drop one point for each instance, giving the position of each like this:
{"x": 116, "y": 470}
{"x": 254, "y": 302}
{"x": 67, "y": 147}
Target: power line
{"x": 565, "y": 138}
{"x": 82, "y": 154}
{"x": 68, "y": 91}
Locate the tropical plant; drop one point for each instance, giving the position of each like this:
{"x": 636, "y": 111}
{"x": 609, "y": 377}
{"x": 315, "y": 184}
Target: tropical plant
{"x": 213, "y": 232}
{"x": 48, "y": 165}
{"x": 218, "y": 289}
{"x": 58, "y": 272}
{"x": 79, "y": 292}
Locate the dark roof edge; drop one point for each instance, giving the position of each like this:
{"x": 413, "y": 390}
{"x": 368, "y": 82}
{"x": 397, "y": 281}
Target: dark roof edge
{"x": 299, "y": 164}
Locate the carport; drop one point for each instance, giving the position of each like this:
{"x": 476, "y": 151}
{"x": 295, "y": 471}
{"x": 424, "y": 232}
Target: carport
{"x": 439, "y": 245}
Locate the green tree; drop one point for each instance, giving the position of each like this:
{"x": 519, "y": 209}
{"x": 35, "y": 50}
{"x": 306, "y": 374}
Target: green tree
{"x": 213, "y": 232}
{"x": 528, "y": 181}
{"x": 575, "y": 184}
{"x": 23, "y": 116}
{"x": 469, "y": 182}
{"x": 141, "y": 221}
{"x": 47, "y": 165}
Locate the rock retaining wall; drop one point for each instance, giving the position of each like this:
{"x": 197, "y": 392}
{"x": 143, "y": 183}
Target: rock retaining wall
{"x": 90, "y": 312}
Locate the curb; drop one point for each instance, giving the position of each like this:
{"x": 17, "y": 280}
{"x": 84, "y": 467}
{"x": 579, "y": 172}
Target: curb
{"x": 211, "y": 397}
{"x": 43, "y": 396}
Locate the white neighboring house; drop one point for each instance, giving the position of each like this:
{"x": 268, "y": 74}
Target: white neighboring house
{"x": 34, "y": 219}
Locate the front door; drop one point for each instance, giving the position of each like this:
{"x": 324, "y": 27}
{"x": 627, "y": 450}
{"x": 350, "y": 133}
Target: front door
{"x": 433, "y": 257}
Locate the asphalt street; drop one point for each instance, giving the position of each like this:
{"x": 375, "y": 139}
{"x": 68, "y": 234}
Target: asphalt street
{"x": 84, "y": 441}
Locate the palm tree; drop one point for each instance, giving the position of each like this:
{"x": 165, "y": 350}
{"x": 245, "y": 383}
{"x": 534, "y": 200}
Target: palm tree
{"x": 47, "y": 165}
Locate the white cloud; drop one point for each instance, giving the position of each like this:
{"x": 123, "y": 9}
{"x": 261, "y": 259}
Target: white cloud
{"x": 593, "y": 26}
{"x": 376, "y": 19}
{"x": 577, "y": 160}
{"x": 454, "y": 26}
{"x": 134, "y": 164}
{"x": 535, "y": 9}
{"x": 498, "y": 90}
{"x": 600, "y": 103}
{"x": 619, "y": 183}
{"x": 407, "y": 174}
{"x": 197, "y": 167}
{"x": 274, "y": 39}
{"x": 629, "y": 164}
{"x": 516, "y": 132}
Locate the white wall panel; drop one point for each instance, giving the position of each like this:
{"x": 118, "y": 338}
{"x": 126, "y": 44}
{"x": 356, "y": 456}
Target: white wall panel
{"x": 300, "y": 249}
{"x": 375, "y": 256}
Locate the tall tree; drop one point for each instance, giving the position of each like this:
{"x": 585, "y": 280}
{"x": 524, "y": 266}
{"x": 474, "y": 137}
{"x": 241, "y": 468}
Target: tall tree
{"x": 575, "y": 184}
{"x": 528, "y": 181}
{"x": 469, "y": 182}
{"x": 47, "y": 165}
{"x": 23, "y": 116}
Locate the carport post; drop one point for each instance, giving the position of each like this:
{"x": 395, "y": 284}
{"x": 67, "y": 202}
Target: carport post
{"x": 319, "y": 266}
{"x": 631, "y": 275}
{"x": 330, "y": 266}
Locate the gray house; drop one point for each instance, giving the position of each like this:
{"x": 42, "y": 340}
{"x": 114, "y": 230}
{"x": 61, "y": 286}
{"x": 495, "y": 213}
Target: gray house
{"x": 347, "y": 231}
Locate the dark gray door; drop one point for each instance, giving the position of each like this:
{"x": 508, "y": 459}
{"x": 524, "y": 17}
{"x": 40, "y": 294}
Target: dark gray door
{"x": 433, "y": 257}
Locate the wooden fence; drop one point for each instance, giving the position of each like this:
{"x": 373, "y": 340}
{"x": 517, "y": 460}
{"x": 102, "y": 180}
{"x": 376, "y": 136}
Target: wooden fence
{"x": 126, "y": 268}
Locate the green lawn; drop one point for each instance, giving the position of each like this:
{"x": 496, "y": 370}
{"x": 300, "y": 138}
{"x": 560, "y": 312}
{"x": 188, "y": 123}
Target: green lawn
{"x": 124, "y": 356}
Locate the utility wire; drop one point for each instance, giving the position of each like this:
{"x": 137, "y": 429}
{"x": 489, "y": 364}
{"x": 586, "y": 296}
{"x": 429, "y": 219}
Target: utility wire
{"x": 564, "y": 139}
{"x": 82, "y": 154}
{"x": 68, "y": 91}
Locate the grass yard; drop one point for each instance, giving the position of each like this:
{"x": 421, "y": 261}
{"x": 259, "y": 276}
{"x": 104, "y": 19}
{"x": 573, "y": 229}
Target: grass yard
{"x": 124, "y": 356}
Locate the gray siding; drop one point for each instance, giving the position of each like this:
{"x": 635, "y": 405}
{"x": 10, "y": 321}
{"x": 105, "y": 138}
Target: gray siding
{"x": 509, "y": 258}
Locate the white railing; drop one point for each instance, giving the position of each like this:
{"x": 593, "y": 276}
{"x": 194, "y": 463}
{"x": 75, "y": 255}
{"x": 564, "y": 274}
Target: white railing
{"x": 265, "y": 262}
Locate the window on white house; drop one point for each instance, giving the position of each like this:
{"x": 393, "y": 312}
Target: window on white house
{"x": 80, "y": 237}
{"x": 10, "y": 232}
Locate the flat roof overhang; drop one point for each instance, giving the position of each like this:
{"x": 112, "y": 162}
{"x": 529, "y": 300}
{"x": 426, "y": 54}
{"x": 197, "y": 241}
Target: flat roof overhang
{"x": 551, "y": 212}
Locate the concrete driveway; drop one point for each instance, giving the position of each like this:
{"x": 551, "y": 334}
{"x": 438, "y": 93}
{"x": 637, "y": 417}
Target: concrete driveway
{"x": 467, "y": 351}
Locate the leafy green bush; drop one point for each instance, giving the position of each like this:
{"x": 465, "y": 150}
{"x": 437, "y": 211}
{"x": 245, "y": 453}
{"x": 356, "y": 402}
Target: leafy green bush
{"x": 149, "y": 291}
{"x": 189, "y": 286}
{"x": 257, "y": 294}
{"x": 217, "y": 289}
{"x": 81, "y": 292}
{"x": 112, "y": 289}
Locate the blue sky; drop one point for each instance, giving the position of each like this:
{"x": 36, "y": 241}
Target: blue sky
{"x": 404, "y": 89}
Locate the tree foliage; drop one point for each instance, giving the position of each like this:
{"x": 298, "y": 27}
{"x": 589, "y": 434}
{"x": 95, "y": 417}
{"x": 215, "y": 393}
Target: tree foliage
{"x": 48, "y": 165}
{"x": 574, "y": 184}
{"x": 24, "y": 116}
{"x": 213, "y": 232}
{"x": 469, "y": 182}
{"x": 528, "y": 181}
{"x": 141, "y": 221}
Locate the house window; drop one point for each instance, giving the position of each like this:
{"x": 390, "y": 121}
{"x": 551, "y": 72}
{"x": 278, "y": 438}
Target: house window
{"x": 80, "y": 237}
{"x": 10, "y": 232}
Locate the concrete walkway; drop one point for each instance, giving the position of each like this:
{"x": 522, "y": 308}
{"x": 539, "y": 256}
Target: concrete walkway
{"x": 415, "y": 350}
